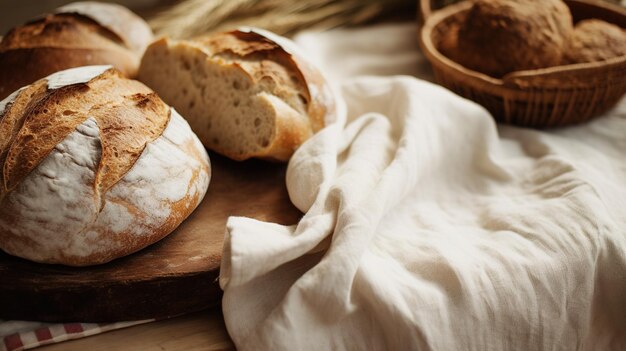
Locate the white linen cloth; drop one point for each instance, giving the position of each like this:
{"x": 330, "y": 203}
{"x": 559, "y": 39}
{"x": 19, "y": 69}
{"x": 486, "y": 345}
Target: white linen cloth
{"x": 428, "y": 227}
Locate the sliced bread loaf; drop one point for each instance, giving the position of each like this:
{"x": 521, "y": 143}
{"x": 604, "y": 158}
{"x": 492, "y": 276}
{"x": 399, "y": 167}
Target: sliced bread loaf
{"x": 244, "y": 92}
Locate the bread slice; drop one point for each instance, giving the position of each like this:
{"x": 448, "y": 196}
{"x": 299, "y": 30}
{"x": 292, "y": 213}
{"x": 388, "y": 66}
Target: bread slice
{"x": 243, "y": 93}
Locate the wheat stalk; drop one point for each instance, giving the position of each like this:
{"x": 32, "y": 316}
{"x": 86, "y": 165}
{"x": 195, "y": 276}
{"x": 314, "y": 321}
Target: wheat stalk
{"x": 191, "y": 18}
{"x": 195, "y": 17}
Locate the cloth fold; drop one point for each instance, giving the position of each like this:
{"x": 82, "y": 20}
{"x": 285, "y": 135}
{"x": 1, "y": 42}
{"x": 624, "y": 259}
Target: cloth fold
{"x": 427, "y": 226}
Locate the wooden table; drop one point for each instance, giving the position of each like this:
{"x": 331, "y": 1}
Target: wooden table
{"x": 200, "y": 331}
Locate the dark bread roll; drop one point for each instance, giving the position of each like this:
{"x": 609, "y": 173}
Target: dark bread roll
{"x": 502, "y": 36}
{"x": 594, "y": 40}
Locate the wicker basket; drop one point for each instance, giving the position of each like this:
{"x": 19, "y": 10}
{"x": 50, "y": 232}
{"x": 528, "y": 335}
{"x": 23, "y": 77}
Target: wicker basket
{"x": 543, "y": 98}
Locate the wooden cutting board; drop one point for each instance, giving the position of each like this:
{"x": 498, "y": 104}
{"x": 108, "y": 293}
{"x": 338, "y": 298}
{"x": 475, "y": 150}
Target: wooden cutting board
{"x": 174, "y": 276}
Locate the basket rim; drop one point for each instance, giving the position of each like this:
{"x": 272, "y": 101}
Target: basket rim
{"x": 436, "y": 57}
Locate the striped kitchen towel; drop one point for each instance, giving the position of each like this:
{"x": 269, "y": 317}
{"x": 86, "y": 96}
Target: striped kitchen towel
{"x": 20, "y": 335}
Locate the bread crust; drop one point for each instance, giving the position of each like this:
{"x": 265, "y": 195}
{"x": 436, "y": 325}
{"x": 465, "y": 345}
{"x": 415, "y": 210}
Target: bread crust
{"x": 132, "y": 29}
{"x": 93, "y": 168}
{"x": 56, "y": 59}
{"x": 321, "y": 104}
{"x": 76, "y": 35}
{"x": 258, "y": 56}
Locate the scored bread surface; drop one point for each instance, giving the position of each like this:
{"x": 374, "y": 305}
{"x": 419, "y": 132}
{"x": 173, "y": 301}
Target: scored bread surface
{"x": 93, "y": 167}
{"x": 244, "y": 95}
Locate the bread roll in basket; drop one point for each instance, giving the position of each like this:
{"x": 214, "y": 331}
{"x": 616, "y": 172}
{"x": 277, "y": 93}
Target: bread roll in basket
{"x": 540, "y": 98}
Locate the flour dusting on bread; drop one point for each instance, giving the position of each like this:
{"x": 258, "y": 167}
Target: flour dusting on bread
{"x": 126, "y": 171}
{"x": 162, "y": 178}
{"x": 75, "y": 76}
{"x": 59, "y": 193}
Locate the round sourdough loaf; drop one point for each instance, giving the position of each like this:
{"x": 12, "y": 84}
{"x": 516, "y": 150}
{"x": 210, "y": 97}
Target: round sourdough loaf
{"x": 78, "y": 34}
{"x": 246, "y": 93}
{"x": 93, "y": 166}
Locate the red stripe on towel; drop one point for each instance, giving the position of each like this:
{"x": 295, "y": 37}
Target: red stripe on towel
{"x": 43, "y": 334}
{"x": 13, "y": 342}
{"x": 73, "y": 328}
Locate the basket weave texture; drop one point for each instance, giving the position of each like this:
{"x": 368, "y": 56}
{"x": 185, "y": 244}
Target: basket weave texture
{"x": 544, "y": 98}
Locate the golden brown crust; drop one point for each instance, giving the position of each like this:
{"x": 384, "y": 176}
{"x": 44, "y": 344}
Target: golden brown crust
{"x": 126, "y": 127}
{"x": 128, "y": 114}
{"x": 130, "y": 28}
{"x": 284, "y": 83}
{"x": 502, "y": 36}
{"x": 595, "y": 40}
{"x": 261, "y": 59}
{"x": 321, "y": 105}
{"x": 306, "y": 76}
{"x": 12, "y": 119}
{"x": 60, "y": 41}
{"x": 291, "y": 132}
{"x": 93, "y": 167}
{"x": 20, "y": 67}
{"x": 61, "y": 31}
